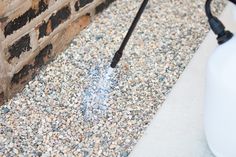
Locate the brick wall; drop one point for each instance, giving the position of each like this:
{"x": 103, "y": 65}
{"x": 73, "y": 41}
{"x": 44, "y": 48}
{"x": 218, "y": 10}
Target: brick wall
{"x": 32, "y": 32}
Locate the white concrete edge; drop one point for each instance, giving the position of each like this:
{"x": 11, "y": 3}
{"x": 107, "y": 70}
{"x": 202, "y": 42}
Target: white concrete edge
{"x": 177, "y": 129}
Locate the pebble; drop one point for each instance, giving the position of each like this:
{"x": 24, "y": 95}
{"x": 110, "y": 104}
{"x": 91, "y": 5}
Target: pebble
{"x": 98, "y": 37}
{"x": 86, "y": 153}
{"x": 48, "y": 109}
{"x": 76, "y": 106}
{"x": 5, "y": 110}
{"x": 15, "y": 151}
{"x": 124, "y": 154}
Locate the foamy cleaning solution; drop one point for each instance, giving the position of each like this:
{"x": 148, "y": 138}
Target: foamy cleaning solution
{"x": 96, "y": 93}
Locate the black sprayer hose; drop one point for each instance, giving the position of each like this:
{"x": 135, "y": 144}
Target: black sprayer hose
{"x": 119, "y": 53}
{"x": 208, "y": 9}
{"x": 216, "y": 25}
{"x": 233, "y": 1}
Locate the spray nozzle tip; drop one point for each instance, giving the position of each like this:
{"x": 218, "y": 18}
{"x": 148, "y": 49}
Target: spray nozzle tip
{"x": 116, "y": 58}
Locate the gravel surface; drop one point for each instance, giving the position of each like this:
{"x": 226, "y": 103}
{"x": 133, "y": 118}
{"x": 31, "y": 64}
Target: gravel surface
{"x": 78, "y": 106}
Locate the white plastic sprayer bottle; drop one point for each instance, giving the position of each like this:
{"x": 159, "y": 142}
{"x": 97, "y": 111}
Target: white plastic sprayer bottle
{"x": 220, "y": 101}
{"x": 220, "y": 98}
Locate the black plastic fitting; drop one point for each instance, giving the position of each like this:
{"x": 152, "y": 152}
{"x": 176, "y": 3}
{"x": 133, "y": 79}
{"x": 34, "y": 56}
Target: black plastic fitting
{"x": 216, "y": 25}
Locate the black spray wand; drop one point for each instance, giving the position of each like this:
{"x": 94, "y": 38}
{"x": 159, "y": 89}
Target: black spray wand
{"x": 119, "y": 53}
